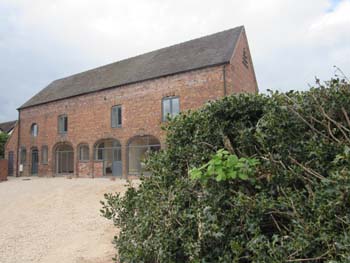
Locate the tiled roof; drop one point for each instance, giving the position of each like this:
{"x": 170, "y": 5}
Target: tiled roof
{"x": 7, "y": 126}
{"x": 194, "y": 54}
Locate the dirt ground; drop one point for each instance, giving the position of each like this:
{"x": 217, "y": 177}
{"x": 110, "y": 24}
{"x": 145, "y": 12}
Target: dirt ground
{"x": 55, "y": 220}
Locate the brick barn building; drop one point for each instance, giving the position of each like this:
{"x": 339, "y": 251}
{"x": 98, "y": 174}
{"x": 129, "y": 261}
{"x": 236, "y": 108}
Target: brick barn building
{"x": 102, "y": 122}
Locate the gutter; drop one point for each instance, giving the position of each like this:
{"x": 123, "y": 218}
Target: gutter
{"x": 18, "y": 142}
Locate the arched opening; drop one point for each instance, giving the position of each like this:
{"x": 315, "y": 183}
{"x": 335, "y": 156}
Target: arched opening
{"x": 138, "y": 149}
{"x": 108, "y": 152}
{"x": 64, "y": 159}
{"x": 34, "y": 130}
{"x": 35, "y": 161}
{"x": 84, "y": 155}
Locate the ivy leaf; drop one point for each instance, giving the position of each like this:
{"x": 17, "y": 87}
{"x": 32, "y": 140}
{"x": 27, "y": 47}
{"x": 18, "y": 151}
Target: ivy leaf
{"x": 243, "y": 176}
{"x": 195, "y": 173}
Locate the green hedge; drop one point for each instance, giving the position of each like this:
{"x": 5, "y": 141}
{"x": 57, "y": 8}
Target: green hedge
{"x": 296, "y": 207}
{"x": 3, "y": 139}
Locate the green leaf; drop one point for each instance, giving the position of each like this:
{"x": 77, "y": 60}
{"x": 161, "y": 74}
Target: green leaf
{"x": 243, "y": 176}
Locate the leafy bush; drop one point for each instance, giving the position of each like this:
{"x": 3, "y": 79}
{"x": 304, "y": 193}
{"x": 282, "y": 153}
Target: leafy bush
{"x": 224, "y": 166}
{"x": 3, "y": 140}
{"x": 295, "y": 207}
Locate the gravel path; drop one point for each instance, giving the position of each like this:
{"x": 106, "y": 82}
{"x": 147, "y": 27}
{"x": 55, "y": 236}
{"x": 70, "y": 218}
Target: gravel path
{"x": 55, "y": 220}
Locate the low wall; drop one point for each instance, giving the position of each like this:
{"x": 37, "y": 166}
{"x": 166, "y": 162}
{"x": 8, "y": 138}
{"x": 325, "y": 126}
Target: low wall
{"x": 3, "y": 169}
{"x": 84, "y": 169}
{"x": 98, "y": 169}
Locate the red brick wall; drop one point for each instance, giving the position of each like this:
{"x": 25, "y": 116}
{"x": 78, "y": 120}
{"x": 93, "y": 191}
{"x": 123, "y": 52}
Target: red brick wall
{"x": 89, "y": 116}
{"x": 84, "y": 169}
{"x": 98, "y": 168}
{"x": 11, "y": 145}
{"x": 3, "y": 170}
{"x": 239, "y": 77}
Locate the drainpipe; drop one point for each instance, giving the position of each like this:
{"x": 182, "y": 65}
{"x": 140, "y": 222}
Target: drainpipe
{"x": 18, "y": 142}
{"x": 224, "y": 76}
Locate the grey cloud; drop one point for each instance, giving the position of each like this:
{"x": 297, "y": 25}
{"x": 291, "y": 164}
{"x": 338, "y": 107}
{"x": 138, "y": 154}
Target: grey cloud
{"x": 44, "y": 40}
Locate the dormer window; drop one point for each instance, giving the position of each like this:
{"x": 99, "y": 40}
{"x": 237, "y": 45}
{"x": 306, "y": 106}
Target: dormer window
{"x": 34, "y": 130}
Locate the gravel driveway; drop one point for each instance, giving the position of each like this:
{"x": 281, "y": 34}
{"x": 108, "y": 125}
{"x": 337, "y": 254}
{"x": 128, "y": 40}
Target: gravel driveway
{"x": 55, "y": 220}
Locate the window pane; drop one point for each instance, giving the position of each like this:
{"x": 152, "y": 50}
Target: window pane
{"x": 44, "y": 154}
{"x": 166, "y": 108}
{"x": 100, "y": 151}
{"x": 65, "y": 118}
{"x": 23, "y": 156}
{"x": 86, "y": 153}
{"x": 175, "y": 106}
{"x": 34, "y": 130}
{"x": 116, "y": 116}
{"x": 62, "y": 124}
{"x": 119, "y": 122}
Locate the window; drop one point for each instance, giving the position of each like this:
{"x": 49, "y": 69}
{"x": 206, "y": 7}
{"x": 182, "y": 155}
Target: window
{"x": 100, "y": 152}
{"x": 62, "y": 124}
{"x": 170, "y": 107}
{"x": 44, "y": 154}
{"x": 34, "y": 130}
{"x": 116, "y": 116}
{"x": 23, "y": 155}
{"x": 84, "y": 153}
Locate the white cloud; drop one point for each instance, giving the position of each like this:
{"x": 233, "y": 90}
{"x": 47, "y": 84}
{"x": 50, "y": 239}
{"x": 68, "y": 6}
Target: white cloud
{"x": 291, "y": 41}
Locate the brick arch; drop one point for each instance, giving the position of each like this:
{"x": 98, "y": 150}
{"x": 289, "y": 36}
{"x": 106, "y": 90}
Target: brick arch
{"x": 62, "y": 143}
{"x": 107, "y": 160}
{"x": 141, "y": 136}
{"x": 63, "y": 161}
{"x": 106, "y": 139}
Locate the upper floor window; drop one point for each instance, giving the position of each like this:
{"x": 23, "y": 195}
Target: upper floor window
{"x": 34, "y": 130}
{"x": 84, "y": 152}
{"x": 62, "y": 124}
{"x": 44, "y": 154}
{"x": 170, "y": 107}
{"x": 116, "y": 116}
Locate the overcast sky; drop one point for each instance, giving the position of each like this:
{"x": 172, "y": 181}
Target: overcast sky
{"x": 42, "y": 40}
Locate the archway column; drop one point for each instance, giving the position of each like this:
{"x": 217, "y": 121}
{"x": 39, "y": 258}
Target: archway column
{"x": 125, "y": 160}
{"x": 92, "y": 160}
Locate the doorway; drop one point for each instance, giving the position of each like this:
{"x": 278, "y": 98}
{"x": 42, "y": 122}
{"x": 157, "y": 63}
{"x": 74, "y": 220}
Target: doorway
{"x": 35, "y": 161}
{"x": 108, "y": 151}
{"x": 10, "y": 163}
{"x": 64, "y": 159}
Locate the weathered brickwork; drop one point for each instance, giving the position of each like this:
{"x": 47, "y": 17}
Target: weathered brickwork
{"x": 83, "y": 169}
{"x": 89, "y": 116}
{"x": 11, "y": 146}
{"x": 239, "y": 77}
{"x": 3, "y": 170}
